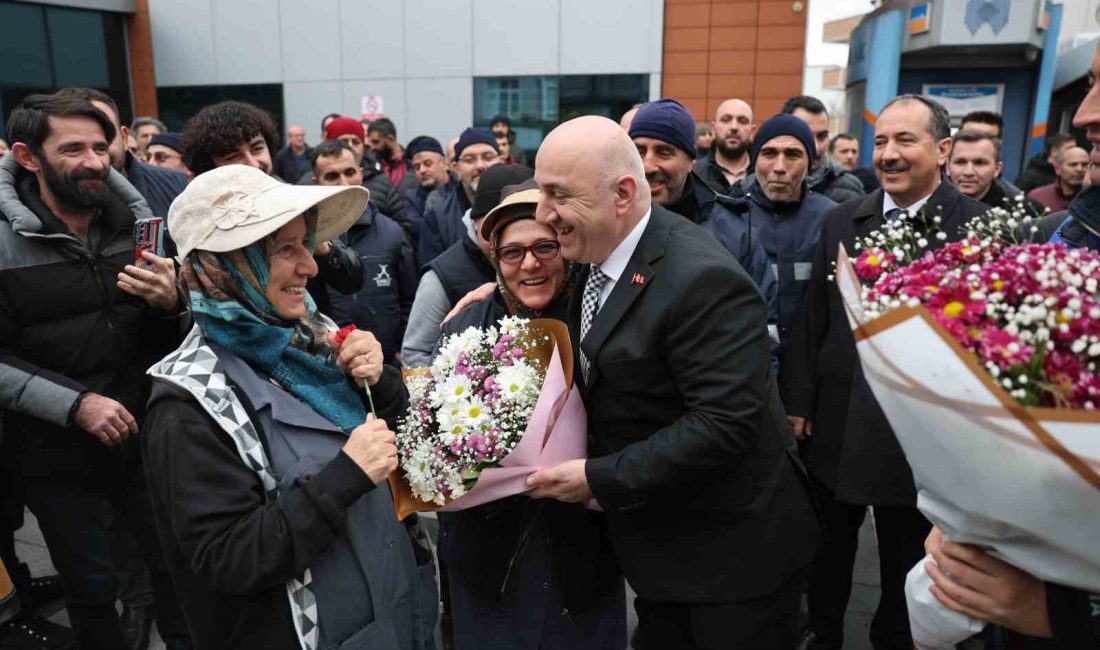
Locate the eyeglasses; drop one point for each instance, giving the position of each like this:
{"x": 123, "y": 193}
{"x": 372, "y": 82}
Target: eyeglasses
{"x": 542, "y": 250}
{"x": 470, "y": 159}
{"x": 161, "y": 157}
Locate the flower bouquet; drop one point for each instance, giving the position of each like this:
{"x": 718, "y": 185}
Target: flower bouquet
{"x": 495, "y": 405}
{"x": 984, "y": 354}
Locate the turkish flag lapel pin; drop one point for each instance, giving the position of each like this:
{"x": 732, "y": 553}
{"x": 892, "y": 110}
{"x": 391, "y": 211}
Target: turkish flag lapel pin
{"x": 639, "y": 278}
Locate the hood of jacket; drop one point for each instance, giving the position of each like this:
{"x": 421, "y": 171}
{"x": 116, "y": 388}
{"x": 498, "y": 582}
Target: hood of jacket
{"x": 23, "y": 220}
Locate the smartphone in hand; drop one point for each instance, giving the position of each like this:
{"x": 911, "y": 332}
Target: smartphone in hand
{"x": 148, "y": 236}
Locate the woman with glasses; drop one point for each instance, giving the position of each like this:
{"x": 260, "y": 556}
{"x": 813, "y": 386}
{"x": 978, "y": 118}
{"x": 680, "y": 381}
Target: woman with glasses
{"x": 527, "y": 573}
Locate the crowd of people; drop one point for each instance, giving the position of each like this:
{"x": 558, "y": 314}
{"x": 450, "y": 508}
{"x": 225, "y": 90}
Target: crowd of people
{"x": 196, "y": 444}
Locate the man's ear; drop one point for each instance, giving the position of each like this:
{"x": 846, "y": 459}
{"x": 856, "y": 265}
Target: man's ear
{"x": 26, "y": 158}
{"x": 626, "y": 190}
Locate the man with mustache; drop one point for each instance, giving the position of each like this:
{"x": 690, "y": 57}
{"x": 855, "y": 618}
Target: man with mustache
{"x": 851, "y": 453}
{"x": 79, "y": 324}
{"x": 728, "y": 161}
{"x": 826, "y": 176}
{"x": 664, "y": 133}
{"x": 476, "y": 151}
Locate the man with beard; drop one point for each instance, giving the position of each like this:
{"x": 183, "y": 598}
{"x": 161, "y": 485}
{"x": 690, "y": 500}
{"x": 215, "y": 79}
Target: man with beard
{"x": 383, "y": 192}
{"x": 476, "y": 151}
{"x": 826, "y": 176}
{"x": 431, "y": 171}
{"x": 728, "y": 161}
{"x": 851, "y": 453}
{"x": 159, "y": 186}
{"x": 664, "y": 133}
{"x": 382, "y": 140}
{"x": 79, "y": 324}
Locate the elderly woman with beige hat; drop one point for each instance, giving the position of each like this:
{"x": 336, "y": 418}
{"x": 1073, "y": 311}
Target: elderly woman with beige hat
{"x": 266, "y": 467}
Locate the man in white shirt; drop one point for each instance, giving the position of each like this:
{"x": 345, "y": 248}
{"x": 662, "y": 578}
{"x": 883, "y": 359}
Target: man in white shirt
{"x": 690, "y": 457}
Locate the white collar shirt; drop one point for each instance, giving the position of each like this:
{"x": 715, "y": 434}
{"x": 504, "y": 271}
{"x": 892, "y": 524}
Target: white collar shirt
{"x": 889, "y": 204}
{"x": 616, "y": 262}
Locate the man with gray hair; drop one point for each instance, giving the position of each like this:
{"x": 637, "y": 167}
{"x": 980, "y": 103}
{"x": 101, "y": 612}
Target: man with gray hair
{"x": 849, "y": 448}
{"x": 142, "y": 130}
{"x": 1071, "y": 164}
{"x": 689, "y": 456}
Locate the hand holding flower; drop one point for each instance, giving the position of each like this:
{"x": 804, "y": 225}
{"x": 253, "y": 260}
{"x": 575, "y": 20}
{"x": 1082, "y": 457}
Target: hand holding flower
{"x": 359, "y": 354}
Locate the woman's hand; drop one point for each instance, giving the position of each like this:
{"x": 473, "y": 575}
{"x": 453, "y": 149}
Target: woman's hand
{"x": 360, "y": 356}
{"x": 373, "y": 448}
{"x": 970, "y": 581}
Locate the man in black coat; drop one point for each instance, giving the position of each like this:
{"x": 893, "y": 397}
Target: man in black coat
{"x": 708, "y": 510}
{"x": 851, "y": 452}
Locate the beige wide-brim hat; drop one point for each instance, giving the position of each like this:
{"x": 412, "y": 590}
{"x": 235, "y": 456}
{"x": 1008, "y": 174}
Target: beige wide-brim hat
{"x": 519, "y": 204}
{"x": 233, "y": 206}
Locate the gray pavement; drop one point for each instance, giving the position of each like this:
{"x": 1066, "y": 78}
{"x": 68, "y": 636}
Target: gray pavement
{"x": 865, "y": 590}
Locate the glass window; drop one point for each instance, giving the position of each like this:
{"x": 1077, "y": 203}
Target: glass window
{"x": 178, "y": 103}
{"x": 24, "y": 55}
{"x": 78, "y": 47}
{"x": 537, "y": 104}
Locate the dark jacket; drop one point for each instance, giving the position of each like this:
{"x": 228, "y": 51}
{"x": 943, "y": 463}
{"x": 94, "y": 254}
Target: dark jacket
{"x": 1078, "y": 227}
{"x": 159, "y": 187}
{"x": 291, "y": 167}
{"x": 442, "y": 226}
{"x": 834, "y": 182}
{"x": 788, "y": 233}
{"x": 461, "y": 269}
{"x": 66, "y": 328}
{"x": 383, "y": 194}
{"x": 867, "y": 178}
{"x": 340, "y": 270}
{"x": 690, "y": 454}
{"x": 251, "y": 499}
{"x": 853, "y": 450}
{"x": 1038, "y": 172}
{"x": 998, "y": 196}
{"x": 389, "y": 281}
{"x": 708, "y": 169}
{"x": 416, "y": 199}
{"x": 715, "y": 212}
{"x": 498, "y": 580}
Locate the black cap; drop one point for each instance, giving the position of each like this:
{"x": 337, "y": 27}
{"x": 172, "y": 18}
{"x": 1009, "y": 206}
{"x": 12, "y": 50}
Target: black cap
{"x": 422, "y": 143}
{"x": 492, "y": 182}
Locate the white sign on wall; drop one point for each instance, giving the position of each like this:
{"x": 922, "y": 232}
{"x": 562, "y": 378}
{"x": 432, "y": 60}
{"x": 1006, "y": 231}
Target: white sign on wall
{"x": 372, "y": 107}
{"x": 960, "y": 99}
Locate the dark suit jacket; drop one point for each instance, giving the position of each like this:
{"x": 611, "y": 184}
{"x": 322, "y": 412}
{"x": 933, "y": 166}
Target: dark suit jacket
{"x": 853, "y": 449}
{"x": 690, "y": 453}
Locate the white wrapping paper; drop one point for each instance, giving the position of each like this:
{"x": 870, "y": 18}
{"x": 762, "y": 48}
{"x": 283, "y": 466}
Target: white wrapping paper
{"x": 1023, "y": 482}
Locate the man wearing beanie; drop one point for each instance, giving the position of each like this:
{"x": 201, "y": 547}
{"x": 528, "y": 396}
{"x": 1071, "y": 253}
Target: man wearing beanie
{"x": 459, "y": 270}
{"x": 475, "y": 152}
{"x": 163, "y": 150}
{"x": 431, "y": 171}
{"x": 383, "y": 193}
{"x": 664, "y": 133}
{"x": 785, "y": 216}
{"x": 826, "y": 175}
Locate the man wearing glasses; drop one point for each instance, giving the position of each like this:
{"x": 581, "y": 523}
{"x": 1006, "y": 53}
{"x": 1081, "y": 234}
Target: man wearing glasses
{"x": 476, "y": 151}
{"x": 163, "y": 150}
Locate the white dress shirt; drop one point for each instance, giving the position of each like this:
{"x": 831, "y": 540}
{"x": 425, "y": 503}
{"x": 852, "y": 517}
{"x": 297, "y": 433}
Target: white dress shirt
{"x": 888, "y": 204}
{"x": 616, "y": 262}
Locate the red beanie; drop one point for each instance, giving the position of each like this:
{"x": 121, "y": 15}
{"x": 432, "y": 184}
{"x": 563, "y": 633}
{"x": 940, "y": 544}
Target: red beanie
{"x": 344, "y": 126}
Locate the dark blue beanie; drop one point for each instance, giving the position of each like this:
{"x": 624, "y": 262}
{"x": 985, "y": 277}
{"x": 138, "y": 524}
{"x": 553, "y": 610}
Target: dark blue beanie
{"x": 666, "y": 120}
{"x": 170, "y": 140}
{"x": 475, "y": 136}
{"x": 423, "y": 143}
{"x": 783, "y": 124}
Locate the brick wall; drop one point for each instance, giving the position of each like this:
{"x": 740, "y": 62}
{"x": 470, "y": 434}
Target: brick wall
{"x": 717, "y": 49}
{"x": 142, "y": 74}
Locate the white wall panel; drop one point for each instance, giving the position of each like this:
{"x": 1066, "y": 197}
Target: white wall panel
{"x": 393, "y": 98}
{"x": 516, "y": 37}
{"x": 441, "y": 108}
{"x": 609, "y": 36}
{"x": 372, "y": 39}
{"x": 183, "y": 42}
{"x": 438, "y": 38}
{"x": 311, "y": 39}
{"x": 246, "y": 41}
{"x": 305, "y": 103}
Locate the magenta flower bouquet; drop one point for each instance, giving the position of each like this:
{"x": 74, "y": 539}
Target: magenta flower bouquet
{"x": 984, "y": 355}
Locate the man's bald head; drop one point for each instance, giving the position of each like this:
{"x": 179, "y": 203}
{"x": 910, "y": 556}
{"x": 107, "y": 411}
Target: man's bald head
{"x": 593, "y": 187}
{"x": 628, "y": 117}
{"x": 733, "y": 127}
